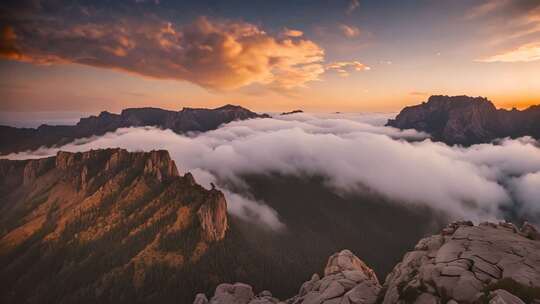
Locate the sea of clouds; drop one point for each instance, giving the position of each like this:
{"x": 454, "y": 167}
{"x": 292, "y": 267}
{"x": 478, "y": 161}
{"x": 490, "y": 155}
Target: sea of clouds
{"x": 352, "y": 151}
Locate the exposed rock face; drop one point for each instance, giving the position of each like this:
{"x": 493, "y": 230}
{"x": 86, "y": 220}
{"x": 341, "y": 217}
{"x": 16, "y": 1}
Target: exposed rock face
{"x": 187, "y": 120}
{"x": 462, "y": 262}
{"x": 100, "y": 220}
{"x": 347, "y": 280}
{"x": 467, "y": 120}
{"x": 489, "y": 263}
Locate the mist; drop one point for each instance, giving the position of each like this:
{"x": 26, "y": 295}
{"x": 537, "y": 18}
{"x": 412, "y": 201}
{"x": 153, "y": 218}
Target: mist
{"x": 352, "y": 152}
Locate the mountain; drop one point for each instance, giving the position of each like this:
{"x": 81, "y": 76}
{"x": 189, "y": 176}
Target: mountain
{"x": 292, "y": 112}
{"x": 467, "y": 120}
{"x": 101, "y": 226}
{"x": 111, "y": 226}
{"x": 187, "y": 120}
{"x": 490, "y": 263}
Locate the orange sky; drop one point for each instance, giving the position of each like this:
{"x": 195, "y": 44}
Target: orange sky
{"x": 372, "y": 57}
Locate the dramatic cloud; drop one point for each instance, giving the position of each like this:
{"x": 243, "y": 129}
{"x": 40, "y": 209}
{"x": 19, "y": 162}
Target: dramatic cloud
{"x": 344, "y": 67}
{"x": 349, "y": 31}
{"x": 524, "y": 53}
{"x": 352, "y": 152}
{"x": 215, "y": 54}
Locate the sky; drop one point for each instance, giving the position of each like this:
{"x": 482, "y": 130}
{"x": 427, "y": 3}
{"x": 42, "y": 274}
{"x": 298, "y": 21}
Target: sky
{"x": 269, "y": 56}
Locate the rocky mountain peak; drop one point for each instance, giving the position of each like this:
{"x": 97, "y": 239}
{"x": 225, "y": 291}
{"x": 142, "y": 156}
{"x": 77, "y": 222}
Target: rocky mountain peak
{"x": 467, "y": 120}
{"x": 345, "y": 260}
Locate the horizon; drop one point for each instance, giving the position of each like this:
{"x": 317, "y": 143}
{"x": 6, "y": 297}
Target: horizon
{"x": 347, "y": 56}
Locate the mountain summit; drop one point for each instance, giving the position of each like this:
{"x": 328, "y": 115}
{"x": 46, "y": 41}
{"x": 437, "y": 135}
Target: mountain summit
{"x": 467, "y": 120}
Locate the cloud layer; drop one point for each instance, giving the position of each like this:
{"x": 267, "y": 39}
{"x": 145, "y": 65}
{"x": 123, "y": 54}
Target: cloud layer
{"x": 353, "y": 152}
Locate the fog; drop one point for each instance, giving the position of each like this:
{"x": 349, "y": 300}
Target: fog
{"x": 352, "y": 152}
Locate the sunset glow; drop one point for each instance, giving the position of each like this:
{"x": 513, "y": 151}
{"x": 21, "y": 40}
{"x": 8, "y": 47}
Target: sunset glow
{"x": 319, "y": 56}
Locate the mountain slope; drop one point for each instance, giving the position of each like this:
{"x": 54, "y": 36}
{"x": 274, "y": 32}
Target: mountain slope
{"x": 104, "y": 226}
{"x": 467, "y": 120}
{"x": 187, "y": 120}
{"x": 100, "y": 225}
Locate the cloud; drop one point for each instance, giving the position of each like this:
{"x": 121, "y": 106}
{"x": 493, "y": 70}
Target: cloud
{"x": 7, "y": 44}
{"x": 344, "y": 67}
{"x": 486, "y": 8}
{"x": 292, "y": 33}
{"x": 353, "y": 5}
{"x": 513, "y": 24}
{"x": 352, "y": 152}
{"x": 349, "y": 31}
{"x": 524, "y": 53}
{"x": 215, "y": 54}
{"x": 527, "y": 190}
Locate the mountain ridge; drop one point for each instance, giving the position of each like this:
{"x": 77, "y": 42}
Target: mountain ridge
{"x": 74, "y": 224}
{"x": 14, "y": 139}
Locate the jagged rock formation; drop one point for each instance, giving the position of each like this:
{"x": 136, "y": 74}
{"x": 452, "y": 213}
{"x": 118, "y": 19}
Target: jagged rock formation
{"x": 187, "y": 120}
{"x": 489, "y": 263}
{"x": 467, "y": 120}
{"x": 99, "y": 225}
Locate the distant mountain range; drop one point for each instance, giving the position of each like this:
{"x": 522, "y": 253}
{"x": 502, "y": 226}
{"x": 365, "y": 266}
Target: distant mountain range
{"x": 187, "y": 120}
{"x": 111, "y": 226}
{"x": 467, "y": 120}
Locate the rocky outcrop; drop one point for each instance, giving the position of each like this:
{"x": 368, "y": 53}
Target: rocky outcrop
{"x": 113, "y": 217}
{"x": 463, "y": 263}
{"x": 347, "y": 280}
{"x": 467, "y": 120}
{"x": 187, "y": 120}
{"x": 490, "y": 263}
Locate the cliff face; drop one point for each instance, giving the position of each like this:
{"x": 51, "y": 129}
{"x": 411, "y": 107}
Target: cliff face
{"x": 79, "y": 225}
{"x": 489, "y": 263}
{"x": 467, "y": 120}
{"x": 186, "y": 120}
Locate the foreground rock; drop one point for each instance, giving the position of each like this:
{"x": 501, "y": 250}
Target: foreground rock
{"x": 187, "y": 120}
{"x": 463, "y": 263}
{"x": 467, "y": 120}
{"x": 489, "y": 263}
{"x": 347, "y": 280}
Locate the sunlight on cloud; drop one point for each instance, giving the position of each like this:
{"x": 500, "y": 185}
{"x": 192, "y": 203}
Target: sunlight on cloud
{"x": 215, "y": 54}
{"x": 352, "y": 154}
{"x": 524, "y": 53}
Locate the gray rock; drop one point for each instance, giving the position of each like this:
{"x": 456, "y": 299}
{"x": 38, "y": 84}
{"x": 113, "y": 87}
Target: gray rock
{"x": 200, "y": 298}
{"x": 237, "y": 293}
{"x": 501, "y": 296}
{"x": 462, "y": 261}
